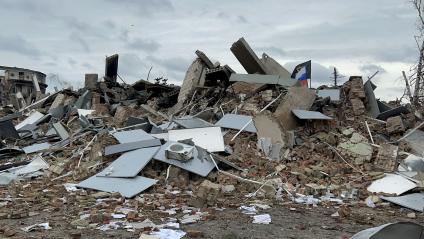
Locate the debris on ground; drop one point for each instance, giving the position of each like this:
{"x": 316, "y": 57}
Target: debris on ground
{"x": 152, "y": 157}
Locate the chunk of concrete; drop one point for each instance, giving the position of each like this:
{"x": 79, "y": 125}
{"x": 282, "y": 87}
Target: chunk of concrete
{"x": 195, "y": 76}
{"x": 247, "y": 57}
{"x": 296, "y": 98}
{"x": 395, "y": 125}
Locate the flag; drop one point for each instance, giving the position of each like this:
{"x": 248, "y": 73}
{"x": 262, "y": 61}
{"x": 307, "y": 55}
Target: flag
{"x": 302, "y": 73}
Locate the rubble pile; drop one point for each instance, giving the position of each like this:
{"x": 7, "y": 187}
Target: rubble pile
{"x": 151, "y": 157}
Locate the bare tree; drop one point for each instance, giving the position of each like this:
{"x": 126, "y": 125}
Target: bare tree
{"x": 417, "y": 81}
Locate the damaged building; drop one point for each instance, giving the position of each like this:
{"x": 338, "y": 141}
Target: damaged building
{"x": 153, "y": 158}
{"x": 20, "y": 86}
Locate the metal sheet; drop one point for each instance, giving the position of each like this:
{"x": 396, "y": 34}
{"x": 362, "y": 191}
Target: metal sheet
{"x": 306, "y": 114}
{"x": 190, "y": 122}
{"x": 36, "y": 147}
{"x": 8, "y": 131}
{"x": 36, "y": 164}
{"x": 120, "y": 148}
{"x": 61, "y": 131}
{"x": 414, "y": 201}
{"x": 263, "y": 79}
{"x": 129, "y": 164}
{"x": 391, "y": 184}
{"x": 32, "y": 118}
{"x": 127, "y": 187}
{"x": 405, "y": 230}
{"x": 198, "y": 165}
{"x": 334, "y": 94}
{"x": 233, "y": 121}
{"x": 131, "y": 136}
{"x": 208, "y": 138}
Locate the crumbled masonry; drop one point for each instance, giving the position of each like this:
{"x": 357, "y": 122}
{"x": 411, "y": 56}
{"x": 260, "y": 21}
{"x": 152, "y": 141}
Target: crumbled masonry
{"x": 149, "y": 157}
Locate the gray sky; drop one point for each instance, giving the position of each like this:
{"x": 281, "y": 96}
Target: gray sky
{"x": 71, "y": 38}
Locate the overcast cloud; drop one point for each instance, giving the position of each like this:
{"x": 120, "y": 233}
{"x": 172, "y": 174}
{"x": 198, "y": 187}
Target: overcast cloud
{"x": 67, "y": 39}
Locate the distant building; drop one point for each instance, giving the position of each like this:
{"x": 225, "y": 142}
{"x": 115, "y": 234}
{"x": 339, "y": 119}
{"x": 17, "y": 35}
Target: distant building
{"x": 20, "y": 80}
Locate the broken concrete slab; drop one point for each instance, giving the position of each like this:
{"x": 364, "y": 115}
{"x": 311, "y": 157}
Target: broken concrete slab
{"x": 310, "y": 115}
{"x": 198, "y": 165}
{"x": 270, "y": 135}
{"x": 392, "y": 184}
{"x": 121, "y": 148}
{"x": 127, "y": 187}
{"x": 205, "y": 59}
{"x": 414, "y": 201}
{"x": 235, "y": 121}
{"x": 129, "y": 164}
{"x": 300, "y": 98}
{"x": 209, "y": 138}
{"x": 395, "y": 125}
{"x": 272, "y": 67}
{"x": 194, "y": 77}
{"x": 247, "y": 57}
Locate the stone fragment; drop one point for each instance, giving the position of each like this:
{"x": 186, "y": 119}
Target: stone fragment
{"x": 300, "y": 98}
{"x": 395, "y": 125}
{"x": 194, "y": 233}
{"x": 228, "y": 188}
{"x": 386, "y": 157}
{"x": 99, "y": 195}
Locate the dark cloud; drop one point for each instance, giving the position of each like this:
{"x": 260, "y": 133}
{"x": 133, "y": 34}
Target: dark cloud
{"x": 17, "y": 44}
{"x": 143, "y": 44}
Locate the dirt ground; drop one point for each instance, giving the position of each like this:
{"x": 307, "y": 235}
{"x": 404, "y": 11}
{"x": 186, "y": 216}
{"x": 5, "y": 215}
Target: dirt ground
{"x": 288, "y": 221}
